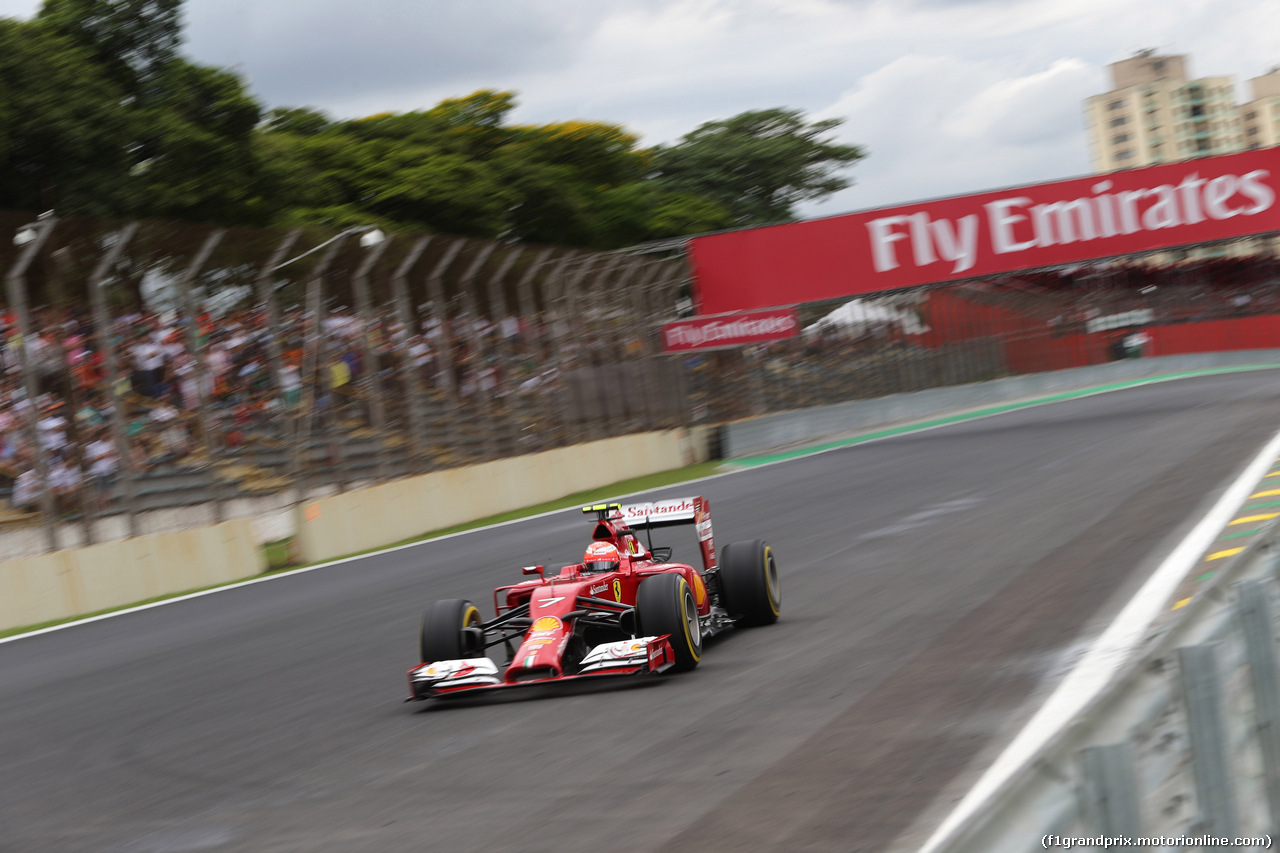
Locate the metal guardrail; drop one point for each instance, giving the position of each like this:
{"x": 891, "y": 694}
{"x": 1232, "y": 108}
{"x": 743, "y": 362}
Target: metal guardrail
{"x": 1182, "y": 747}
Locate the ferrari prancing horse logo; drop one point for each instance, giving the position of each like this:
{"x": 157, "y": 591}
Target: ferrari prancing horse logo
{"x": 617, "y": 590}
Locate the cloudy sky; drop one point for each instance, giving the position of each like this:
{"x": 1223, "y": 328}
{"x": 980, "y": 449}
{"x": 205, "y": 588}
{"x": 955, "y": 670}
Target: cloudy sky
{"x": 947, "y": 96}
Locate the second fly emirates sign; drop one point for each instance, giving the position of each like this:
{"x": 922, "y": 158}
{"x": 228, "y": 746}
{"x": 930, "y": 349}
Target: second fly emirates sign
{"x": 1140, "y": 210}
{"x": 732, "y": 330}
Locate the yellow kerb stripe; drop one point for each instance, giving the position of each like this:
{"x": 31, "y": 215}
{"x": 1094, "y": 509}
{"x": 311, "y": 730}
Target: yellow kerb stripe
{"x": 1230, "y": 552}
{"x": 1183, "y": 603}
{"x": 1268, "y": 494}
{"x": 1248, "y": 518}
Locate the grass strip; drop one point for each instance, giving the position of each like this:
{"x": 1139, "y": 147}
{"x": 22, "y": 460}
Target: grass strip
{"x": 279, "y": 553}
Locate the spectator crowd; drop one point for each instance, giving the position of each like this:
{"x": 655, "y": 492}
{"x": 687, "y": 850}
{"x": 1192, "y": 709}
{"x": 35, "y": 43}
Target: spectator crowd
{"x": 188, "y": 386}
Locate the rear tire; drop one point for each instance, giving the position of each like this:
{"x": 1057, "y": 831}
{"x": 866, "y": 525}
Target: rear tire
{"x": 443, "y": 637}
{"x": 665, "y": 605}
{"x": 750, "y": 589}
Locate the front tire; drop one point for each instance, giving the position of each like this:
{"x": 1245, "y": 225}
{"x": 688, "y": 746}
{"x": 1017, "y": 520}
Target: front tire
{"x": 750, "y": 589}
{"x": 665, "y": 605}
{"x": 450, "y": 631}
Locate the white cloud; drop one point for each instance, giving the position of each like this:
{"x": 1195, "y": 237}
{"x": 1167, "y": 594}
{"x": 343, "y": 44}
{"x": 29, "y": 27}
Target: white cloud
{"x": 948, "y": 95}
{"x": 938, "y": 126}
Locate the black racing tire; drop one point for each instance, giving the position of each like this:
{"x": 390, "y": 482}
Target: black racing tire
{"x": 442, "y": 636}
{"x": 750, "y": 589}
{"x": 665, "y": 605}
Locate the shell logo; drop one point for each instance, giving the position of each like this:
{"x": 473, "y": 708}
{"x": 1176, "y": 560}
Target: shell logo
{"x": 546, "y": 623}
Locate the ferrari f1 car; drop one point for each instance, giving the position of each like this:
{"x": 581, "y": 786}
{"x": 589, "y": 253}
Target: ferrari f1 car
{"x": 626, "y": 609}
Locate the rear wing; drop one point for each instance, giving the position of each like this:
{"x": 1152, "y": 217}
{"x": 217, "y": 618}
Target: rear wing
{"x": 678, "y": 511}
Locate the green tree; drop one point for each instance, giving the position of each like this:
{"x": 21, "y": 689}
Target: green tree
{"x": 642, "y": 211}
{"x": 64, "y": 139}
{"x": 758, "y": 164}
{"x": 471, "y": 126}
{"x": 194, "y": 155}
{"x": 99, "y": 117}
{"x": 132, "y": 40}
{"x": 301, "y": 121}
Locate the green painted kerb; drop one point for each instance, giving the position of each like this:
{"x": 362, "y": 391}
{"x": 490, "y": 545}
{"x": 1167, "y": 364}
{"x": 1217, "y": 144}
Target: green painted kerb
{"x": 752, "y": 461}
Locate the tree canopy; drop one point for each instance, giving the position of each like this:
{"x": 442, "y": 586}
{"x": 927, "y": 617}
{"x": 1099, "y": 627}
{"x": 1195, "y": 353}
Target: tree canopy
{"x": 758, "y": 164}
{"x": 100, "y": 115}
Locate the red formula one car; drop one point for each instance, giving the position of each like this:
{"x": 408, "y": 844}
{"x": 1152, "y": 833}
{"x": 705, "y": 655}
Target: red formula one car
{"x": 626, "y": 609}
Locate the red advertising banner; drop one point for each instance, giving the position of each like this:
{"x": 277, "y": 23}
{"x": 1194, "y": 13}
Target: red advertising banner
{"x": 1065, "y": 222}
{"x": 732, "y": 330}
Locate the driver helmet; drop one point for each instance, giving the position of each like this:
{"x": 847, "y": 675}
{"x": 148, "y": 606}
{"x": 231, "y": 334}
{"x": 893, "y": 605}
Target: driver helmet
{"x": 601, "y": 557}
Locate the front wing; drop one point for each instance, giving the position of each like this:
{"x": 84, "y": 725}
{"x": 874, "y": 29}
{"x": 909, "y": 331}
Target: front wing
{"x": 641, "y": 656}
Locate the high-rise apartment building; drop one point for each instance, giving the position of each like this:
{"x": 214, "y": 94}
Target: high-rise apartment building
{"x": 1155, "y": 114}
{"x": 1260, "y": 118}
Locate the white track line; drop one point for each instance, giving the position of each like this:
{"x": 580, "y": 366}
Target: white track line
{"x": 1108, "y": 653}
{"x": 979, "y": 414}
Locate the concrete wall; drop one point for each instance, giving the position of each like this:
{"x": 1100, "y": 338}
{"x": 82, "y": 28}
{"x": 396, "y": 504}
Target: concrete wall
{"x": 76, "y": 581}
{"x": 772, "y": 432}
{"x": 381, "y": 515}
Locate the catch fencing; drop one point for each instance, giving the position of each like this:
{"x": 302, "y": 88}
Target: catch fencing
{"x": 174, "y": 364}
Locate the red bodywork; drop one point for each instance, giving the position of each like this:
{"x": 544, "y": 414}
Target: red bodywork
{"x": 556, "y": 603}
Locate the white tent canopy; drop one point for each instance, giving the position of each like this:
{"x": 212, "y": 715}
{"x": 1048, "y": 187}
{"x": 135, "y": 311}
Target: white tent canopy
{"x": 858, "y": 315}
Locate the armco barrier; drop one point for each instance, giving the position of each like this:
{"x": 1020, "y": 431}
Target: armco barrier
{"x": 771, "y": 432}
{"x": 1184, "y": 742}
{"x": 380, "y": 515}
{"x": 76, "y": 581}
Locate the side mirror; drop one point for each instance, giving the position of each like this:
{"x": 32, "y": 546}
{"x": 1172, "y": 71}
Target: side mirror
{"x": 531, "y": 570}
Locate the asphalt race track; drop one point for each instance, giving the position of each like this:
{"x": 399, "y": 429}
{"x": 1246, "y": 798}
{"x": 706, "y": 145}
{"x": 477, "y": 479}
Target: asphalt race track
{"x": 933, "y": 585}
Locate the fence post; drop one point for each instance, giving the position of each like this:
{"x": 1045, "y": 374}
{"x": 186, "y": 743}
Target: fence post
{"x": 17, "y": 292}
{"x": 643, "y": 320}
{"x": 103, "y": 324}
{"x": 532, "y": 333}
{"x": 1256, "y": 622}
{"x": 316, "y": 346}
{"x": 471, "y": 315}
{"x": 371, "y": 381}
{"x": 183, "y": 285}
{"x": 444, "y": 347}
{"x": 1109, "y": 791}
{"x": 502, "y": 408}
{"x": 599, "y": 336}
{"x": 267, "y": 297}
{"x": 1202, "y": 693}
{"x": 556, "y": 397}
{"x": 413, "y": 381}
